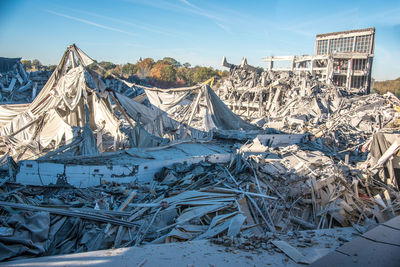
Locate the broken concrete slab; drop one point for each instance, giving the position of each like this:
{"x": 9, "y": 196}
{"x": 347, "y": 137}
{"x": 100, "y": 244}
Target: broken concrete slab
{"x": 123, "y": 168}
{"x": 377, "y": 247}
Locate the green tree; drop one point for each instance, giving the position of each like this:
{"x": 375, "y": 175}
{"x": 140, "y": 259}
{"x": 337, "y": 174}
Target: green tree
{"x": 172, "y": 61}
{"x": 202, "y": 74}
{"x": 107, "y": 65}
{"x": 187, "y": 65}
{"x": 27, "y": 64}
{"x": 182, "y": 74}
{"x": 129, "y": 69}
{"x": 36, "y": 63}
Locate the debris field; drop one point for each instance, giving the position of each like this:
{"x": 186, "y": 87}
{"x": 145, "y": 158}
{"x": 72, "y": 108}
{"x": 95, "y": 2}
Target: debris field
{"x": 263, "y": 161}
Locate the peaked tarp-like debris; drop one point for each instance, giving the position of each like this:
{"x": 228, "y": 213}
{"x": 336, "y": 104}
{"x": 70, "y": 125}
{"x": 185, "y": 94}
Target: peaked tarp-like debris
{"x": 73, "y": 107}
{"x": 219, "y": 116}
{"x": 199, "y": 107}
{"x": 27, "y": 131}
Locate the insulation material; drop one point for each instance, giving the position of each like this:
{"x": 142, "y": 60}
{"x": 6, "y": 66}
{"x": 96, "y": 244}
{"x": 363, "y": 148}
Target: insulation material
{"x": 154, "y": 121}
{"x": 60, "y": 106}
{"x": 201, "y": 109}
{"x": 55, "y": 129}
{"x": 71, "y": 86}
{"x": 219, "y": 116}
{"x": 8, "y": 112}
{"x": 167, "y": 100}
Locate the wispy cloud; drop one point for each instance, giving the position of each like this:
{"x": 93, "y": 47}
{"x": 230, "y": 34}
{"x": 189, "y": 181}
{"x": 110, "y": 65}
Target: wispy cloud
{"x": 141, "y": 26}
{"x": 224, "y": 27}
{"x": 306, "y": 28}
{"x": 390, "y": 16}
{"x": 101, "y": 26}
{"x": 187, "y": 3}
{"x": 201, "y": 12}
{"x": 186, "y": 7}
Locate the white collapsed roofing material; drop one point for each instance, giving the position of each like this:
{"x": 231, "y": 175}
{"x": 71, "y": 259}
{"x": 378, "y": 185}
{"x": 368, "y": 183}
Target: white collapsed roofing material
{"x": 75, "y": 97}
{"x": 49, "y": 120}
{"x": 212, "y": 112}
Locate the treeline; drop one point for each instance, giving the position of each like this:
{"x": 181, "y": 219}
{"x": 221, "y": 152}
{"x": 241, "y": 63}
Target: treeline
{"x": 163, "y": 73}
{"x": 166, "y": 72}
{"x": 35, "y": 65}
{"x": 388, "y": 86}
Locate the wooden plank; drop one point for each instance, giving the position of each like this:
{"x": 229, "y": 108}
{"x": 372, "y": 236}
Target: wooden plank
{"x": 290, "y": 251}
{"x": 244, "y": 208}
{"x": 70, "y": 213}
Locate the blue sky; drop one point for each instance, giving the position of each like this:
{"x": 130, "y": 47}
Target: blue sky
{"x": 195, "y": 31}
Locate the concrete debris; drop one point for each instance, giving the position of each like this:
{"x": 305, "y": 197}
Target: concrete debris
{"x": 277, "y": 191}
{"x": 18, "y": 86}
{"x": 296, "y": 168}
{"x": 299, "y": 103}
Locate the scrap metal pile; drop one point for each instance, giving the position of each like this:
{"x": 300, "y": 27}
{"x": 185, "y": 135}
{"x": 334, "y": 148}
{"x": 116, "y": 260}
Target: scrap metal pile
{"x": 278, "y": 182}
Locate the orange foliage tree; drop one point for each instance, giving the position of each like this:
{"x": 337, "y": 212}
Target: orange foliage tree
{"x": 144, "y": 67}
{"x": 163, "y": 71}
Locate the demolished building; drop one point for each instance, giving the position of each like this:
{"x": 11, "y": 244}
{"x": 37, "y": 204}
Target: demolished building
{"x": 285, "y": 174}
{"x": 343, "y": 59}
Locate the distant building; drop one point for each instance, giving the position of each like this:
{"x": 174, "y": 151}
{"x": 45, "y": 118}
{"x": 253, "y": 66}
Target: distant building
{"x": 340, "y": 58}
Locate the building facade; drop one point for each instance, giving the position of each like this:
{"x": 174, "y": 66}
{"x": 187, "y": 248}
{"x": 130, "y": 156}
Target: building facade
{"x": 343, "y": 59}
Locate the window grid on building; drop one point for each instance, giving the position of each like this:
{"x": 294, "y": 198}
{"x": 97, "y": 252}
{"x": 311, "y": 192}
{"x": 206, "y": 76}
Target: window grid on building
{"x": 359, "y": 64}
{"x": 340, "y": 80}
{"x": 357, "y": 81}
{"x": 338, "y": 45}
{"x": 322, "y": 47}
{"x": 363, "y": 44}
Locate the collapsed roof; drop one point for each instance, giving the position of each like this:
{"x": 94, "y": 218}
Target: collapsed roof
{"x": 72, "y": 98}
{"x": 211, "y": 112}
{"x": 75, "y": 104}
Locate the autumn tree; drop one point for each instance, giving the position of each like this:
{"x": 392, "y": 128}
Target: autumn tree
{"x": 163, "y": 71}
{"x": 116, "y": 71}
{"x": 144, "y": 67}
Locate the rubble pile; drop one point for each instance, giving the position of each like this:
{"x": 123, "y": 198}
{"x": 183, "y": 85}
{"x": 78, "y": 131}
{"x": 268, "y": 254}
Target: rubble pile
{"x": 281, "y": 190}
{"x": 124, "y": 88}
{"x": 290, "y": 243}
{"x": 300, "y": 103}
{"x": 195, "y": 170}
{"x": 39, "y": 78}
{"x": 16, "y": 85}
{"x": 278, "y": 94}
